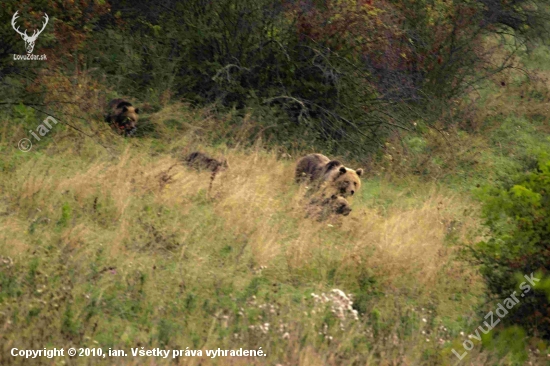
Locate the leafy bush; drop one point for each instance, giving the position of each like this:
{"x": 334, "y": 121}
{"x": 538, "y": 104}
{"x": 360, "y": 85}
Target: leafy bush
{"x": 346, "y": 72}
{"x": 518, "y": 218}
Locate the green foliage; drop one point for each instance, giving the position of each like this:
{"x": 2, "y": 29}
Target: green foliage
{"x": 508, "y": 343}
{"x": 518, "y": 218}
{"x": 245, "y": 55}
{"x": 416, "y": 144}
{"x": 65, "y": 215}
{"x": 341, "y": 75}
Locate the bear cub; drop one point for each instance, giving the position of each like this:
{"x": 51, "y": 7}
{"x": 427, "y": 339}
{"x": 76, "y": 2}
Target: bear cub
{"x": 324, "y": 207}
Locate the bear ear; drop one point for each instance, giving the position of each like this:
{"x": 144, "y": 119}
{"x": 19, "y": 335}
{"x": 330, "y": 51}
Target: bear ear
{"x": 343, "y": 170}
{"x": 359, "y": 172}
{"x": 332, "y": 164}
{"x": 124, "y": 109}
{"x": 333, "y": 197}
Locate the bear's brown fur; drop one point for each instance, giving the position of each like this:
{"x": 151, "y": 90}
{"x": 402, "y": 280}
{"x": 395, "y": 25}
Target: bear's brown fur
{"x": 322, "y": 207}
{"x": 122, "y": 116}
{"x": 337, "y": 204}
{"x": 331, "y": 174}
{"x": 201, "y": 161}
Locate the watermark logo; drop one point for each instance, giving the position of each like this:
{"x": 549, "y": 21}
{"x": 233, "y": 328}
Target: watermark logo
{"x": 501, "y": 312}
{"x": 29, "y": 40}
{"x": 25, "y": 144}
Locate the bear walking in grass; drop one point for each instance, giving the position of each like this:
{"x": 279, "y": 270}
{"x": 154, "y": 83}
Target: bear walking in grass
{"x": 123, "y": 116}
{"x": 331, "y": 175}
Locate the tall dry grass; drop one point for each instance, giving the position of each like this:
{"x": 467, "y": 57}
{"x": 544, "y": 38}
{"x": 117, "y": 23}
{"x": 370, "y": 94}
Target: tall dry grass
{"x": 120, "y": 245}
{"x": 113, "y": 243}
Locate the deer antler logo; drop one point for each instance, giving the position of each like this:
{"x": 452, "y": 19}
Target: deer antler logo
{"x": 29, "y": 40}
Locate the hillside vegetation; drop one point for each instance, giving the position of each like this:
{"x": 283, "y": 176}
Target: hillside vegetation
{"x": 111, "y": 242}
{"x": 114, "y": 243}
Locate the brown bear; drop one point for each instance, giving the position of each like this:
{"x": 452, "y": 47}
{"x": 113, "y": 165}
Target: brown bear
{"x": 330, "y": 173}
{"x": 201, "y": 161}
{"x": 337, "y": 204}
{"x": 323, "y": 207}
{"x": 122, "y": 116}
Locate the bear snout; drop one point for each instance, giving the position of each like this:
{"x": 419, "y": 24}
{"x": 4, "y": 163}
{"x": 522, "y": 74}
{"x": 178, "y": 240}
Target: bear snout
{"x": 129, "y": 130}
{"x": 344, "y": 210}
{"x": 352, "y": 192}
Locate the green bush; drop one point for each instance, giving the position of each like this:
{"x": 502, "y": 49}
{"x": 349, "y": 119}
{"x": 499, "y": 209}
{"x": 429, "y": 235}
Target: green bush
{"x": 518, "y": 219}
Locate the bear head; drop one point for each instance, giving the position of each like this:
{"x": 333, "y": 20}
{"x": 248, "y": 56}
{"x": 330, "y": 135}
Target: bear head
{"x": 339, "y": 205}
{"x": 127, "y": 119}
{"x": 345, "y": 181}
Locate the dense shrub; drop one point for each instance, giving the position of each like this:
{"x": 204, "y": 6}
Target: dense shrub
{"x": 344, "y": 72}
{"x": 518, "y": 218}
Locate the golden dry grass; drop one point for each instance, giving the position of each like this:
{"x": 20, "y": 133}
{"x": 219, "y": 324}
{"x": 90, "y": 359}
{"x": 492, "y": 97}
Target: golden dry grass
{"x": 116, "y": 244}
{"x": 99, "y": 221}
